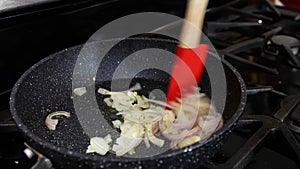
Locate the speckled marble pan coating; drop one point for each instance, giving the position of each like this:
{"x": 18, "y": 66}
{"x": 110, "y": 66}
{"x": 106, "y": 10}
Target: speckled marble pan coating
{"x": 47, "y": 87}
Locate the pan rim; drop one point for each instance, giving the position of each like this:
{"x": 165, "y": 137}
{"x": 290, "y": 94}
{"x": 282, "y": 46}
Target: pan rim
{"x": 45, "y": 144}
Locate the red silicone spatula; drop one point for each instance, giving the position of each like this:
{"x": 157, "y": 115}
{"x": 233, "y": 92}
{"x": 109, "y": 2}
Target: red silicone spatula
{"x": 189, "y": 63}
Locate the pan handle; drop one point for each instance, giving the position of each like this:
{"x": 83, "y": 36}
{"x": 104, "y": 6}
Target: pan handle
{"x": 42, "y": 161}
{"x": 263, "y": 89}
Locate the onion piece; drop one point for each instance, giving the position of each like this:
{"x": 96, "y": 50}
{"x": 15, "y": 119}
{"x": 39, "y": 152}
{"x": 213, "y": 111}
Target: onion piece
{"x": 131, "y": 136}
{"x": 182, "y": 123}
{"x": 107, "y": 92}
{"x": 108, "y": 139}
{"x": 90, "y": 149}
{"x": 103, "y": 91}
{"x": 146, "y": 140}
{"x": 80, "y": 91}
{"x": 188, "y": 141}
{"x": 142, "y": 102}
{"x": 137, "y": 86}
{"x": 174, "y": 135}
{"x": 51, "y": 123}
{"x": 99, "y": 145}
{"x": 167, "y": 120}
{"x": 117, "y": 123}
{"x": 125, "y": 144}
{"x": 161, "y": 103}
{"x": 157, "y": 141}
{"x": 210, "y": 123}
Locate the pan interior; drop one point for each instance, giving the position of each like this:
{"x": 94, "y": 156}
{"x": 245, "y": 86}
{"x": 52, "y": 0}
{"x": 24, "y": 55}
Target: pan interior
{"x": 47, "y": 87}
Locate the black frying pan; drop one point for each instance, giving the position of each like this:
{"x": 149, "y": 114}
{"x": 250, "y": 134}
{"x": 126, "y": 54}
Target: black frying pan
{"x": 47, "y": 87}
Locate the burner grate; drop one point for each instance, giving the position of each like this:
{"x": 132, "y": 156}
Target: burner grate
{"x": 262, "y": 135}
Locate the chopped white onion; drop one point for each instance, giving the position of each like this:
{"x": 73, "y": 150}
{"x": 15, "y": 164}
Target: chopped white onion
{"x": 183, "y": 123}
{"x": 108, "y": 139}
{"x": 137, "y": 86}
{"x": 80, "y": 91}
{"x": 188, "y": 141}
{"x": 99, "y": 145}
{"x": 146, "y": 140}
{"x": 157, "y": 141}
{"x": 90, "y": 149}
{"x": 131, "y": 137}
{"x": 116, "y": 123}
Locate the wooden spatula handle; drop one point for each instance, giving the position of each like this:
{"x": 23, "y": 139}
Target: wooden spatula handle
{"x": 191, "y": 30}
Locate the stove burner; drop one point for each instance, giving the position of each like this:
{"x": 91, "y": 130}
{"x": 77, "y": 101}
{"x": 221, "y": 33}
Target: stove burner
{"x": 294, "y": 119}
{"x": 284, "y": 40}
{"x": 294, "y": 126}
{"x": 285, "y": 48}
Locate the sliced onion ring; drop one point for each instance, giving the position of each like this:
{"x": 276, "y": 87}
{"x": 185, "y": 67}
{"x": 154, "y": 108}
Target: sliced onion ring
{"x": 51, "y": 123}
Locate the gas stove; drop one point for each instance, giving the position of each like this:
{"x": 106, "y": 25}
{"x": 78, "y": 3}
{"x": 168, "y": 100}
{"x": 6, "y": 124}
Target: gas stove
{"x": 259, "y": 39}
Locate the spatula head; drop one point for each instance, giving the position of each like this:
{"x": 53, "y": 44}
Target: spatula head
{"x": 186, "y": 71}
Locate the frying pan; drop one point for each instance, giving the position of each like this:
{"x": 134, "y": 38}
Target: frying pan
{"x": 47, "y": 87}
